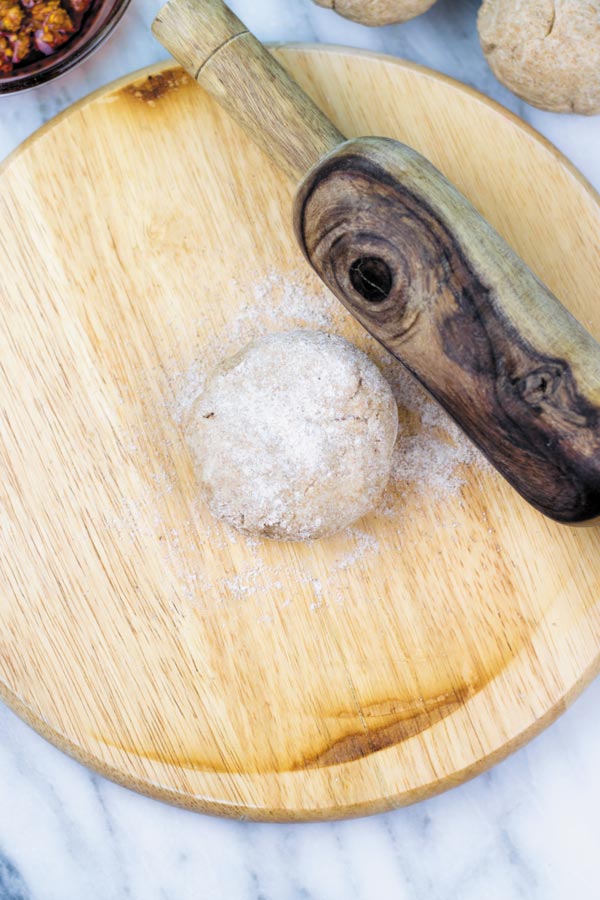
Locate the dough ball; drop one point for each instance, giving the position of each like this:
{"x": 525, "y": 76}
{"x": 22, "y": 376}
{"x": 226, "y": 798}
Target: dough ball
{"x": 293, "y": 436}
{"x": 378, "y": 12}
{"x": 546, "y": 51}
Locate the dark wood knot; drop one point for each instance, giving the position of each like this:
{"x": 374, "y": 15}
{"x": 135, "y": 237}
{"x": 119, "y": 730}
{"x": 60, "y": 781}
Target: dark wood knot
{"x": 371, "y": 277}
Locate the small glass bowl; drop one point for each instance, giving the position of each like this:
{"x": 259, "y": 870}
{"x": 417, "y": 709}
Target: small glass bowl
{"x": 100, "y": 19}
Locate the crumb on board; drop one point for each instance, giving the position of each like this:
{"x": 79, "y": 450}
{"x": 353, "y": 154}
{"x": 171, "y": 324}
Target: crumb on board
{"x": 153, "y": 87}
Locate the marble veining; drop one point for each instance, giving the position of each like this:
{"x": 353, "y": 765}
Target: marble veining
{"x": 530, "y": 828}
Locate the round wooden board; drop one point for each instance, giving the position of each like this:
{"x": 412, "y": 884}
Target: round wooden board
{"x": 141, "y": 231}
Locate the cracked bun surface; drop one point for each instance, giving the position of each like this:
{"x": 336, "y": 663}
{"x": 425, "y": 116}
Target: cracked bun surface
{"x": 546, "y": 51}
{"x": 292, "y": 438}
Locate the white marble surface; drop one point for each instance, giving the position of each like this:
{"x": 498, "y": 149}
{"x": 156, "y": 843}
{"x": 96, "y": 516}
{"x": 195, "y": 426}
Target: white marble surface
{"x": 530, "y": 828}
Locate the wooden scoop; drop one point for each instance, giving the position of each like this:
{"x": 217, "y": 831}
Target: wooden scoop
{"x": 417, "y": 265}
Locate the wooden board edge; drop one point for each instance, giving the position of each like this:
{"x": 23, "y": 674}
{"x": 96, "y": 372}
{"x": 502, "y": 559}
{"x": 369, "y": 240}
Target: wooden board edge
{"x": 105, "y": 90}
{"x": 285, "y": 815}
{"x": 334, "y": 49}
{"x": 466, "y": 89}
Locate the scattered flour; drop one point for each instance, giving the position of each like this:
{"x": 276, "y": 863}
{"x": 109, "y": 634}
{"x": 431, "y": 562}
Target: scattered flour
{"x": 363, "y": 544}
{"x": 431, "y": 457}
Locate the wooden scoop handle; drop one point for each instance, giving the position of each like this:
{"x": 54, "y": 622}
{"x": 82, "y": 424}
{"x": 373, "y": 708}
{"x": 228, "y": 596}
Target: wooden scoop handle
{"x": 219, "y": 52}
{"x": 418, "y": 266}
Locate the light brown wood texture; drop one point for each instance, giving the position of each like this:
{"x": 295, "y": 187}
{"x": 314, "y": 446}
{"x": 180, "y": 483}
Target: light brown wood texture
{"x": 216, "y": 49}
{"x": 378, "y": 12}
{"x": 128, "y": 633}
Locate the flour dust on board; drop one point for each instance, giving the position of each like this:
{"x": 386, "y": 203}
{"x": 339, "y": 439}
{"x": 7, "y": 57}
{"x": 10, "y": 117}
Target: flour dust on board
{"x": 432, "y": 461}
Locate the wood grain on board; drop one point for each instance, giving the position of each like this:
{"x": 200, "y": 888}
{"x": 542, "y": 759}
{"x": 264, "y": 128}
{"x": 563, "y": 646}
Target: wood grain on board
{"x": 275, "y": 681}
{"x": 218, "y": 51}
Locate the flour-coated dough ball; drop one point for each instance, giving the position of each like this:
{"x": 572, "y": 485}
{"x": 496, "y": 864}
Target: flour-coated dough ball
{"x": 293, "y": 436}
